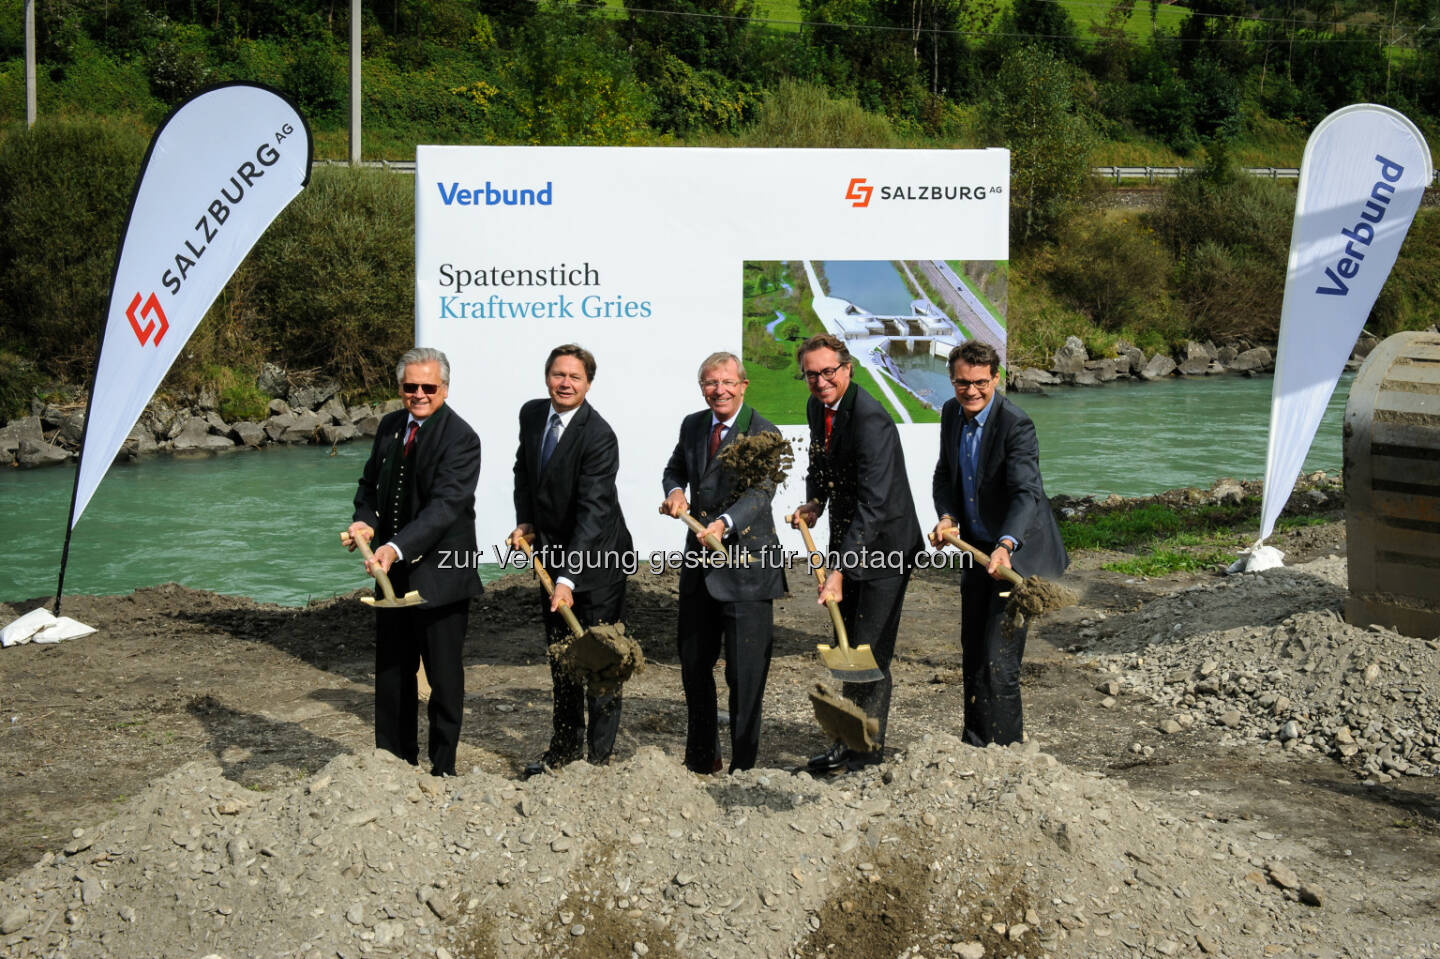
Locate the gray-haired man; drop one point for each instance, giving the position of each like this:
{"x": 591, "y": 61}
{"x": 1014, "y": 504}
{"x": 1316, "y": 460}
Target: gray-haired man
{"x": 417, "y": 497}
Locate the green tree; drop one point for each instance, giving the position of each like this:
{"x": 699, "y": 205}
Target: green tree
{"x": 1033, "y": 108}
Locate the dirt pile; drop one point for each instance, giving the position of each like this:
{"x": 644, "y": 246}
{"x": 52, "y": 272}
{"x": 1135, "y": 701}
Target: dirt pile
{"x": 1309, "y": 682}
{"x": 947, "y": 850}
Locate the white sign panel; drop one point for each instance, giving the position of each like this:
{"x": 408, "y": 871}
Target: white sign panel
{"x": 653, "y": 258}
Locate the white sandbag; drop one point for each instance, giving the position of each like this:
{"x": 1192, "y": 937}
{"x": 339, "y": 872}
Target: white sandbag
{"x": 40, "y": 626}
{"x": 1256, "y": 559}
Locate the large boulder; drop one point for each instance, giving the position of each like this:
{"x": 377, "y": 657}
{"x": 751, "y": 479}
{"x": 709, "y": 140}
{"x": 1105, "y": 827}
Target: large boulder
{"x": 313, "y": 396}
{"x": 338, "y": 433}
{"x": 1102, "y": 370}
{"x": 273, "y": 381}
{"x": 1021, "y": 381}
{"x": 73, "y": 429}
{"x": 138, "y": 442}
{"x": 333, "y": 411}
{"x": 195, "y": 436}
{"x": 25, "y": 427}
{"x": 41, "y": 453}
{"x": 302, "y": 428}
{"x": 1071, "y": 357}
{"x": 1134, "y": 354}
{"x": 369, "y": 425}
{"x": 1257, "y": 360}
{"x": 248, "y": 434}
{"x": 1196, "y": 364}
{"x": 1159, "y": 367}
{"x": 217, "y": 425}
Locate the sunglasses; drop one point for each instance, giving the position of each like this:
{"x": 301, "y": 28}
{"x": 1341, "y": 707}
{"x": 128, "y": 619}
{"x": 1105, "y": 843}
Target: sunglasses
{"x": 429, "y": 388}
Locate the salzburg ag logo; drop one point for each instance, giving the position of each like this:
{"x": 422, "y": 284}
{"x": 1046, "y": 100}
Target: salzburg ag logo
{"x": 142, "y": 333}
{"x": 859, "y": 191}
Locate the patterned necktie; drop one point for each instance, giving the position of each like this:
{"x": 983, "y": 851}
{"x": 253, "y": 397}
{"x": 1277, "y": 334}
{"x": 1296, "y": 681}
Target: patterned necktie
{"x": 715, "y": 432}
{"x": 829, "y": 422}
{"x": 410, "y": 436}
{"x": 552, "y": 437}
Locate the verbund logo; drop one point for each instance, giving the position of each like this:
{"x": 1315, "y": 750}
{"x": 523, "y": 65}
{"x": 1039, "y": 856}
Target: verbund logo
{"x": 142, "y": 333}
{"x": 491, "y": 195}
{"x": 859, "y": 191}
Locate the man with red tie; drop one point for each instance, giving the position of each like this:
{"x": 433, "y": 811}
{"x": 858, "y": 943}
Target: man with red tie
{"x": 417, "y": 497}
{"x": 857, "y": 469}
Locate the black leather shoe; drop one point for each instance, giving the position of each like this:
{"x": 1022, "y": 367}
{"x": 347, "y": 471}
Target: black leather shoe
{"x": 547, "y": 763}
{"x": 831, "y": 760}
{"x": 855, "y": 760}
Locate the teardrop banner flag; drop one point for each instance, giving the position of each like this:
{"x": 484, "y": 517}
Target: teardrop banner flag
{"x": 1364, "y": 170}
{"x": 218, "y": 171}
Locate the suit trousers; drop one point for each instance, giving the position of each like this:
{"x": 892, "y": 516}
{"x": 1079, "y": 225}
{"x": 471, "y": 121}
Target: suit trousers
{"x": 745, "y": 630}
{"x": 990, "y": 662}
{"x": 871, "y": 612}
{"x": 568, "y": 741}
{"x": 403, "y": 639}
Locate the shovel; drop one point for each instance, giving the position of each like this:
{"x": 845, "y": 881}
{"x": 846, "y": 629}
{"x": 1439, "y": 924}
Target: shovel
{"x": 699, "y": 532}
{"x": 851, "y": 664}
{"x": 603, "y": 652}
{"x": 412, "y": 598}
{"x": 1030, "y": 597}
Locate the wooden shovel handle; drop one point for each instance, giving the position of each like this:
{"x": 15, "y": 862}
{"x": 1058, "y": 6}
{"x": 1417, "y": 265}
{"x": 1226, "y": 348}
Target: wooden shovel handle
{"x": 566, "y": 612}
{"x": 699, "y": 532}
{"x": 364, "y": 545}
{"x": 821, "y": 574}
{"x": 983, "y": 558}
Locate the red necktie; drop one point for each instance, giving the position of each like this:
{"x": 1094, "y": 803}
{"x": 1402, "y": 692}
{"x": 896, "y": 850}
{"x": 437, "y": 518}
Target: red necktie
{"x": 410, "y": 436}
{"x": 829, "y": 422}
{"x": 715, "y": 432}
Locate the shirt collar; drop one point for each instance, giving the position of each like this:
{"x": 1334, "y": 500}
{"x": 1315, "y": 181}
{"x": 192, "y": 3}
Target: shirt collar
{"x": 979, "y": 418}
{"x": 565, "y": 417}
{"x": 728, "y": 423}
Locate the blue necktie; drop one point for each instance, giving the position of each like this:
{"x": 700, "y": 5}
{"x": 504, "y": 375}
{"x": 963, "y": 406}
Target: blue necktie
{"x": 552, "y": 437}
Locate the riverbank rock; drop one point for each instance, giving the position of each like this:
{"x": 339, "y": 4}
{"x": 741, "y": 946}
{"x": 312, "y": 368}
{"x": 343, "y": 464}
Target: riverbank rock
{"x": 1257, "y": 360}
{"x": 1159, "y": 367}
{"x": 1071, "y": 357}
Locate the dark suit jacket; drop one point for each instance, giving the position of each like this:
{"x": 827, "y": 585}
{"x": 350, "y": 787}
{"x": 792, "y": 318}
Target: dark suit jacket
{"x": 1012, "y": 497}
{"x": 713, "y": 494}
{"x": 862, "y": 479}
{"x": 438, "y": 542}
{"x": 573, "y": 504}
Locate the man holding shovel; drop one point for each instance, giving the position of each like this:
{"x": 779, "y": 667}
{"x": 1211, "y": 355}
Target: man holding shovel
{"x": 566, "y": 503}
{"x": 728, "y": 602}
{"x": 417, "y": 497}
{"x": 987, "y": 490}
{"x": 857, "y": 468}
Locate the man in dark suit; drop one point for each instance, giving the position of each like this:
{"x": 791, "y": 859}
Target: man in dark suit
{"x": 857, "y": 467}
{"x": 729, "y": 603}
{"x": 987, "y": 488}
{"x": 566, "y": 502}
{"x": 417, "y": 497}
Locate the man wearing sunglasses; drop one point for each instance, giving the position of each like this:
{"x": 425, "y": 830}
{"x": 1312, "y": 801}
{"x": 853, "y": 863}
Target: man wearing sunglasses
{"x": 567, "y": 504}
{"x": 417, "y": 497}
{"x": 857, "y": 468}
{"x": 987, "y": 489}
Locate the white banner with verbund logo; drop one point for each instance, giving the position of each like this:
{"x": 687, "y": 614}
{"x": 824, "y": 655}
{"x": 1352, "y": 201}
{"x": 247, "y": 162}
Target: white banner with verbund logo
{"x": 653, "y": 258}
{"x": 217, "y": 173}
{"x": 1364, "y": 170}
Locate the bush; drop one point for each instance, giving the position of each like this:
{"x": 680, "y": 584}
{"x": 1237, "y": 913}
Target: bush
{"x": 1113, "y": 268}
{"x": 799, "y": 114}
{"x": 65, "y": 188}
{"x": 19, "y": 381}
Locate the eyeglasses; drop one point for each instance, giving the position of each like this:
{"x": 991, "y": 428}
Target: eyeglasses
{"x": 964, "y": 385}
{"x": 429, "y": 388}
{"x": 828, "y": 375}
{"x": 716, "y": 384}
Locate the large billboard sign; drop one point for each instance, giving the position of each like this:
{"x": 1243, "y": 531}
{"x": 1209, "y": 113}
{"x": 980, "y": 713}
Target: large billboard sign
{"x": 653, "y": 258}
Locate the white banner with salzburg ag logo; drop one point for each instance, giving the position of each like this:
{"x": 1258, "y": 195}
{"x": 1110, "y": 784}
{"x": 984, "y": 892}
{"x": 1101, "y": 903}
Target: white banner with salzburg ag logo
{"x": 1364, "y": 170}
{"x": 218, "y": 172}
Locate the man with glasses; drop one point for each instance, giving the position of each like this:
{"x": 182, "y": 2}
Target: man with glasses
{"x": 987, "y": 489}
{"x": 417, "y": 497}
{"x": 857, "y": 469}
{"x": 566, "y": 503}
{"x": 729, "y": 603}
